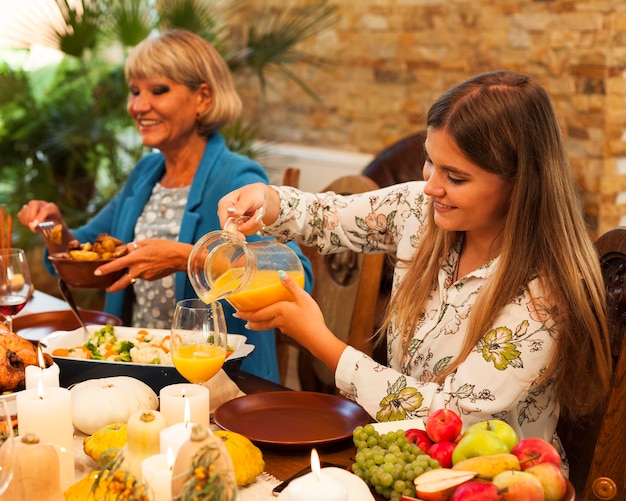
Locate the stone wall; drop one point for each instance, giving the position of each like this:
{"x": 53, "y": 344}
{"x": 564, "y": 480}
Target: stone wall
{"x": 391, "y": 58}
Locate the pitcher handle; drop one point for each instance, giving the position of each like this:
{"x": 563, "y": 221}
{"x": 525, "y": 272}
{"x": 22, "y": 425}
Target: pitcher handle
{"x": 232, "y": 224}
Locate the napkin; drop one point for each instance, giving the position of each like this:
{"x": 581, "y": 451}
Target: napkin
{"x": 222, "y": 389}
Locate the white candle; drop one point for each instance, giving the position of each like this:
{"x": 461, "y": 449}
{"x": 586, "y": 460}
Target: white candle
{"x": 49, "y": 376}
{"x": 175, "y": 397}
{"x": 317, "y": 485}
{"x": 174, "y": 436}
{"x": 47, "y": 412}
{"x": 156, "y": 472}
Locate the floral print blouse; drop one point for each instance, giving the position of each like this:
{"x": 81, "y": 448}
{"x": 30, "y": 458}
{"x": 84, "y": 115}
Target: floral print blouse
{"x": 499, "y": 377}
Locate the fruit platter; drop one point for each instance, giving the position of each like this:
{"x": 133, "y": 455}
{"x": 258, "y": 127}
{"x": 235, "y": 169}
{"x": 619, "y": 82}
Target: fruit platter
{"x": 443, "y": 462}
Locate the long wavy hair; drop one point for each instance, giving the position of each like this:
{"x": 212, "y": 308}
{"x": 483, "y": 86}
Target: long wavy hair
{"x": 505, "y": 122}
{"x": 189, "y": 59}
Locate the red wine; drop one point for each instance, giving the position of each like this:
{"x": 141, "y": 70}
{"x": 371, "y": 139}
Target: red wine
{"x": 11, "y": 305}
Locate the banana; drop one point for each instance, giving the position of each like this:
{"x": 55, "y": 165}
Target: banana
{"x": 488, "y": 467}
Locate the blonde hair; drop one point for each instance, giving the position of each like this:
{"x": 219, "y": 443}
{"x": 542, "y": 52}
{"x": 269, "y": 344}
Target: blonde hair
{"x": 189, "y": 59}
{"x": 505, "y": 122}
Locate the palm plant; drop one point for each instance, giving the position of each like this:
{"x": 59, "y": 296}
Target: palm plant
{"x": 64, "y": 134}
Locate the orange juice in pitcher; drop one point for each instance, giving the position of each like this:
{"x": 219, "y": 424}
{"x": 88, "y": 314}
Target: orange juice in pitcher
{"x": 223, "y": 266}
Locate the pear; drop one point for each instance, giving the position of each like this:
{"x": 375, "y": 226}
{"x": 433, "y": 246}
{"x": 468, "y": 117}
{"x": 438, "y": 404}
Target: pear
{"x": 489, "y": 466}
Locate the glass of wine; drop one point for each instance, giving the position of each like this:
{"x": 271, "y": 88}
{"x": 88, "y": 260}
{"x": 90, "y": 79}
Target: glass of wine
{"x": 15, "y": 283}
{"x": 7, "y": 447}
{"x": 198, "y": 339}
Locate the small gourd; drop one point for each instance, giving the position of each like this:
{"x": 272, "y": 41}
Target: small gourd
{"x": 99, "y": 402}
{"x": 143, "y": 431}
{"x": 247, "y": 458}
{"x": 108, "y": 438}
{"x": 108, "y": 485}
{"x": 37, "y": 471}
{"x": 203, "y": 469}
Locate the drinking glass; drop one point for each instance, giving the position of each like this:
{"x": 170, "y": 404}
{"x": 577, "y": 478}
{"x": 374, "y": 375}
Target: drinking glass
{"x": 7, "y": 449}
{"x": 198, "y": 339}
{"x": 15, "y": 283}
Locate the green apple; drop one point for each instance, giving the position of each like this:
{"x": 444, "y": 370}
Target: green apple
{"x": 478, "y": 442}
{"x": 502, "y": 429}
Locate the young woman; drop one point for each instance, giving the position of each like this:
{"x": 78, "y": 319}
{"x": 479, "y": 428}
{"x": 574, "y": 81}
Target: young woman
{"x": 498, "y": 307}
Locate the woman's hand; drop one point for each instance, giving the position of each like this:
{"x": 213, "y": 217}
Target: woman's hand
{"x": 38, "y": 211}
{"x": 148, "y": 259}
{"x": 258, "y": 202}
{"x": 300, "y": 319}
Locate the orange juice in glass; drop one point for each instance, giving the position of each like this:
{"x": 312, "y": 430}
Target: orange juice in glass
{"x": 198, "y": 364}
{"x": 223, "y": 266}
{"x": 198, "y": 340}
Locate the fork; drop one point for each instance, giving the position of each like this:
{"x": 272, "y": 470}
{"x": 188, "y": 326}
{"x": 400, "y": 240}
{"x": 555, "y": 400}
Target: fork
{"x": 46, "y": 228}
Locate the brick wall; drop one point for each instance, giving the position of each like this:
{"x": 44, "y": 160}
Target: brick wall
{"x": 391, "y": 58}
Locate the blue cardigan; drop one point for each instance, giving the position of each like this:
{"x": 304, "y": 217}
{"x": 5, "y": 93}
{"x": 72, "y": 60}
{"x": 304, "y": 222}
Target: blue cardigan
{"x": 220, "y": 171}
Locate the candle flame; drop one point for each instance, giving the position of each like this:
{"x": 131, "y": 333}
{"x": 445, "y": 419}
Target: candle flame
{"x": 40, "y": 393}
{"x": 187, "y": 414}
{"x": 170, "y": 458}
{"x": 315, "y": 463}
{"x": 42, "y": 362}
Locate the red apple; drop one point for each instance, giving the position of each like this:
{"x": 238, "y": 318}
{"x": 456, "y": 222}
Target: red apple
{"x": 443, "y": 425}
{"x": 532, "y": 451}
{"x": 476, "y": 491}
{"x": 442, "y": 452}
{"x": 419, "y": 437}
{"x": 518, "y": 486}
{"x": 551, "y": 478}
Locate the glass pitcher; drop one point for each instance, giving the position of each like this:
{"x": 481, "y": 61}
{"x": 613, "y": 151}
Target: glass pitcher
{"x": 224, "y": 266}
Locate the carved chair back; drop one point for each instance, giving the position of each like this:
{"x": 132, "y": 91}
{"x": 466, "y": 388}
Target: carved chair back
{"x": 345, "y": 288}
{"x": 596, "y": 447}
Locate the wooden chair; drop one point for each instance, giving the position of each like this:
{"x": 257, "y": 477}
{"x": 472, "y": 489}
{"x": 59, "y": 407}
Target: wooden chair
{"x": 345, "y": 288}
{"x": 400, "y": 162}
{"x": 596, "y": 448}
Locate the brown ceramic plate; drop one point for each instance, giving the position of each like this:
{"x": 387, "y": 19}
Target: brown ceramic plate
{"x": 35, "y": 326}
{"x": 291, "y": 419}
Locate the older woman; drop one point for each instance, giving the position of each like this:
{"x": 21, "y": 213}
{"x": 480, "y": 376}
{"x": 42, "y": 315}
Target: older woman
{"x": 181, "y": 93}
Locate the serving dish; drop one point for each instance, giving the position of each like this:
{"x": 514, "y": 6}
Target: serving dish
{"x": 79, "y": 273}
{"x": 291, "y": 419}
{"x": 35, "y": 326}
{"x": 405, "y": 424}
{"x": 156, "y": 376}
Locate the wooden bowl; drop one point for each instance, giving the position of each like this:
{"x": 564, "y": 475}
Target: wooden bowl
{"x": 79, "y": 273}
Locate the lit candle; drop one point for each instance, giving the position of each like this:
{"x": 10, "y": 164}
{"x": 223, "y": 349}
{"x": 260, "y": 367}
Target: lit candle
{"x": 47, "y": 412}
{"x": 156, "y": 472}
{"x": 172, "y": 437}
{"x": 173, "y": 399}
{"x": 317, "y": 485}
{"x": 48, "y": 375}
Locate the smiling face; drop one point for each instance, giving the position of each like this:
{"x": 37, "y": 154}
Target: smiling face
{"x": 465, "y": 196}
{"x": 165, "y": 111}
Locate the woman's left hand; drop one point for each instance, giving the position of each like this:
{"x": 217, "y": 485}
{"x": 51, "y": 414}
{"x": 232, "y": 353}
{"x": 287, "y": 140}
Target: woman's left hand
{"x": 148, "y": 259}
{"x": 300, "y": 319}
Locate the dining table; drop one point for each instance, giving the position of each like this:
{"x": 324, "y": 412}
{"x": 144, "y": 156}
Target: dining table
{"x": 280, "y": 463}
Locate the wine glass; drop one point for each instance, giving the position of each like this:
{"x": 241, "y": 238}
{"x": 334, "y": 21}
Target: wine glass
{"x": 15, "y": 283}
{"x": 7, "y": 449}
{"x": 198, "y": 341}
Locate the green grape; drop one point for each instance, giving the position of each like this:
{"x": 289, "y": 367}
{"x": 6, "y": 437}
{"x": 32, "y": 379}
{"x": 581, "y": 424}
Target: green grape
{"x": 399, "y": 485}
{"x": 388, "y": 463}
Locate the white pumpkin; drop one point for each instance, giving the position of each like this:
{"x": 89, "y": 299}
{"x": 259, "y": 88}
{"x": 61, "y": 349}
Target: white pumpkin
{"x": 101, "y": 402}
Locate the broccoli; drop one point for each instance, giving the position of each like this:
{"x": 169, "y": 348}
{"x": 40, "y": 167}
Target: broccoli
{"x": 103, "y": 336}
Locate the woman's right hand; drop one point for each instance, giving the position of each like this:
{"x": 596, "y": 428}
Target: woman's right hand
{"x": 38, "y": 211}
{"x": 259, "y": 202}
